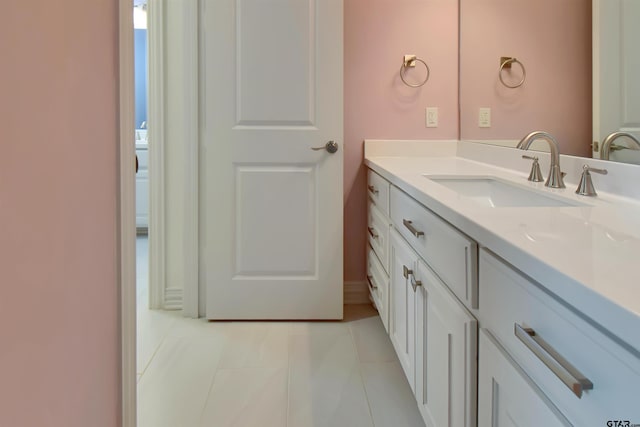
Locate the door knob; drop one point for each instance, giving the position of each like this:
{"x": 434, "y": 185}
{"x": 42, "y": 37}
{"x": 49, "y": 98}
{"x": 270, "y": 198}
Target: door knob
{"x": 330, "y": 146}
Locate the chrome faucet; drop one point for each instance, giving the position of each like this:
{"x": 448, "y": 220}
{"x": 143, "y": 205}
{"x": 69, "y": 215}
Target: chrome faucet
{"x": 554, "y": 180}
{"x": 606, "y": 144}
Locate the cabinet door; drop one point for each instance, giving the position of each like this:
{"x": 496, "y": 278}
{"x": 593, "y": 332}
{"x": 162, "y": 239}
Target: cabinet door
{"x": 402, "y": 305}
{"x": 507, "y": 397}
{"x": 446, "y": 354}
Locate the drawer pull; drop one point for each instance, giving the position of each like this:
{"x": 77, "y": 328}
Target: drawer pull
{"x": 408, "y": 274}
{"x": 372, "y": 189}
{"x": 568, "y": 374}
{"x": 371, "y": 285}
{"x": 372, "y": 232}
{"x": 411, "y": 228}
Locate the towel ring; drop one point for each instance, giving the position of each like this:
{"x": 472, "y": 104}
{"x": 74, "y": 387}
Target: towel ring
{"x": 505, "y": 63}
{"x": 410, "y": 61}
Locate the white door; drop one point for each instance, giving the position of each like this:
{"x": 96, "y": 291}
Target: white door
{"x": 272, "y": 206}
{"x": 616, "y": 72}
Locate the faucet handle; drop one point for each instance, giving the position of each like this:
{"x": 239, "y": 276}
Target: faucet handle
{"x": 535, "y": 175}
{"x": 585, "y": 188}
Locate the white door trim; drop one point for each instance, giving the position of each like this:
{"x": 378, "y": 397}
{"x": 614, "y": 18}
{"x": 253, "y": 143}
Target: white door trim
{"x": 191, "y": 140}
{"x": 126, "y": 226}
{"x": 160, "y": 296}
{"x": 126, "y": 215}
{"x": 156, "y": 136}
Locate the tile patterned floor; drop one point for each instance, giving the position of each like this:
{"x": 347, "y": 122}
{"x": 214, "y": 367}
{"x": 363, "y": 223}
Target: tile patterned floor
{"x": 194, "y": 373}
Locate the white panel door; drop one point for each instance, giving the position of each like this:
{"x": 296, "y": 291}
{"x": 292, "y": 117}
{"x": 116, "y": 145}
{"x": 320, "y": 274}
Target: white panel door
{"x": 272, "y": 207}
{"x": 616, "y": 72}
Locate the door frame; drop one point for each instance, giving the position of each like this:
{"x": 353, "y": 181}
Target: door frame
{"x": 126, "y": 214}
{"x": 156, "y": 119}
{"x": 160, "y": 296}
{"x": 126, "y": 224}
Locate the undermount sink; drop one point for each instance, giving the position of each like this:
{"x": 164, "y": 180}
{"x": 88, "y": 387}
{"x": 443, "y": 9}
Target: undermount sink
{"x": 494, "y": 192}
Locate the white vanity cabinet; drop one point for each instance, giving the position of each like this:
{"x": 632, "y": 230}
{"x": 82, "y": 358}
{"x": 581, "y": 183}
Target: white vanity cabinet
{"x": 378, "y": 226}
{"x": 588, "y": 376}
{"x": 482, "y": 340}
{"x": 433, "y": 333}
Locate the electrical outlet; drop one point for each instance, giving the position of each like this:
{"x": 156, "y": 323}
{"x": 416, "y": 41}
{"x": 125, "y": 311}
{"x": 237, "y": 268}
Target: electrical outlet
{"x": 431, "y": 117}
{"x": 484, "y": 118}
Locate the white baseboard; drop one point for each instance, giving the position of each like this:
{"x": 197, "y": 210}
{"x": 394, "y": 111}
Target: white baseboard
{"x": 356, "y": 293}
{"x": 173, "y": 299}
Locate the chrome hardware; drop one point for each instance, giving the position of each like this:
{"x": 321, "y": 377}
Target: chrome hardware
{"x": 372, "y": 189}
{"x": 409, "y": 61}
{"x": 606, "y": 144}
{"x": 505, "y": 64}
{"x": 585, "y": 188}
{"x": 568, "y": 374}
{"x": 408, "y": 274}
{"x": 535, "y": 175}
{"x": 411, "y": 228}
{"x": 372, "y": 232}
{"x": 371, "y": 285}
{"x": 330, "y": 146}
{"x": 554, "y": 180}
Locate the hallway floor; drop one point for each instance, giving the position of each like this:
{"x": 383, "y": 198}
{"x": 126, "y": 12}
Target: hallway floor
{"x": 215, "y": 374}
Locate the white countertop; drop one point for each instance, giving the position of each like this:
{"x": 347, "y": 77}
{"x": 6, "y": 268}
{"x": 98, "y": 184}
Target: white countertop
{"x": 589, "y": 256}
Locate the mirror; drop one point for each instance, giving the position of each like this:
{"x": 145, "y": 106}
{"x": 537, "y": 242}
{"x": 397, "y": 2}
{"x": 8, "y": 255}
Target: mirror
{"x": 552, "y": 43}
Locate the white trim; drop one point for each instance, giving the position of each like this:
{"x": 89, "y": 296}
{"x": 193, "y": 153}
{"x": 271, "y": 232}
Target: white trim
{"x": 173, "y": 299}
{"x": 595, "y": 47}
{"x": 356, "y": 293}
{"x": 126, "y": 225}
{"x": 191, "y": 140}
{"x": 156, "y": 133}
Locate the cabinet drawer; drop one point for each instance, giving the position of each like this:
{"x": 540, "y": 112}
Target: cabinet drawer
{"x": 506, "y": 396}
{"x": 378, "y": 190}
{"x": 378, "y": 234}
{"x": 378, "y": 286}
{"x": 574, "y": 347}
{"x": 451, "y": 254}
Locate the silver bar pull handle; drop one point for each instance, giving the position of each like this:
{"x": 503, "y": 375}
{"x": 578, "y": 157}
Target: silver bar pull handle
{"x": 372, "y": 189}
{"x": 567, "y": 373}
{"x": 371, "y": 285}
{"x": 411, "y": 228}
{"x": 372, "y": 232}
{"x": 408, "y": 274}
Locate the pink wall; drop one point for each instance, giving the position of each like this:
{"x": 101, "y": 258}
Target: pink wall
{"x": 59, "y": 345}
{"x": 378, "y": 105}
{"x": 553, "y": 40}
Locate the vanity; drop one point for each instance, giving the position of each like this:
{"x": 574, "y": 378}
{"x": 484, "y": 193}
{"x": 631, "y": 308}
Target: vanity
{"x": 507, "y": 302}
